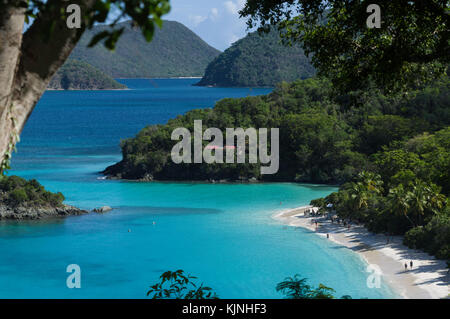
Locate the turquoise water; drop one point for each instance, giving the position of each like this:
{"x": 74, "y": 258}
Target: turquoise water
{"x": 222, "y": 233}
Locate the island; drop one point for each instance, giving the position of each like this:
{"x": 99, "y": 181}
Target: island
{"x": 78, "y": 75}
{"x": 320, "y": 141}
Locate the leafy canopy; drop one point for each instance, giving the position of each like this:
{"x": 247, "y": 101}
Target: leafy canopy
{"x": 410, "y": 48}
{"x": 178, "y": 285}
{"x": 144, "y": 14}
{"x": 297, "y": 288}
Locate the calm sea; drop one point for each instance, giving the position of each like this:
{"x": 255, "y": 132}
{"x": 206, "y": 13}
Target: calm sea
{"x": 222, "y": 234}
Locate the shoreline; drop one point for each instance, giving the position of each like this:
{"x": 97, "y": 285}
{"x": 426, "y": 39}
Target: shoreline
{"x": 427, "y": 280}
{"x": 124, "y": 89}
{"x": 169, "y": 78}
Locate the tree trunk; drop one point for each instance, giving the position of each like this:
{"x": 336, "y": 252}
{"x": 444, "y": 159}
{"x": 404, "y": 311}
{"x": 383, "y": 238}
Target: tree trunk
{"x": 12, "y": 20}
{"x": 28, "y": 62}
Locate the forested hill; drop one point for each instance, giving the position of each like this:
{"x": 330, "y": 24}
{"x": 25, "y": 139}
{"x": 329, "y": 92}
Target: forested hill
{"x": 323, "y": 138}
{"x": 258, "y": 60}
{"x": 77, "y": 75}
{"x": 175, "y": 51}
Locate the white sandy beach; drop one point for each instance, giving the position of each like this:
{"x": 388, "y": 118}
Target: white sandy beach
{"x": 429, "y": 278}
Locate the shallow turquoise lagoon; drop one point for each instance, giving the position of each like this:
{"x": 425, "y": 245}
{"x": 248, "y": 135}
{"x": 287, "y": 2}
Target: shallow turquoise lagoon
{"x": 222, "y": 233}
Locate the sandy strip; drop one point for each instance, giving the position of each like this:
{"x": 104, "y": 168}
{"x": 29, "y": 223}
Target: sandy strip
{"x": 429, "y": 278}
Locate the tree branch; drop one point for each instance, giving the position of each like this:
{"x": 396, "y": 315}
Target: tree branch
{"x": 43, "y": 56}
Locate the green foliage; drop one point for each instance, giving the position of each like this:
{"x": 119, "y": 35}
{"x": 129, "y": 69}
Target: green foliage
{"x": 434, "y": 237}
{"x": 413, "y": 208}
{"x": 18, "y": 196}
{"x": 18, "y": 192}
{"x": 77, "y": 75}
{"x": 258, "y": 60}
{"x": 412, "y": 197}
{"x": 145, "y": 14}
{"x": 297, "y": 288}
{"x": 319, "y": 202}
{"x": 381, "y": 130}
{"x": 178, "y": 285}
{"x": 410, "y": 48}
{"x": 175, "y": 51}
{"x": 323, "y": 138}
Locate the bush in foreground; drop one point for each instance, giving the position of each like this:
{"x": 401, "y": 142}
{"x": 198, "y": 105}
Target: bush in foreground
{"x": 178, "y": 285}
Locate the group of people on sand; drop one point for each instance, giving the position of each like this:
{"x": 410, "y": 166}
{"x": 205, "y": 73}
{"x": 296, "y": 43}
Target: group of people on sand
{"x": 410, "y": 265}
{"x": 311, "y": 212}
{"x": 346, "y": 224}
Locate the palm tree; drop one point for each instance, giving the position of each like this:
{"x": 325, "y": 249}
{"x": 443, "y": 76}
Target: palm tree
{"x": 424, "y": 197}
{"x": 437, "y": 201}
{"x": 366, "y": 188}
{"x": 371, "y": 181}
{"x": 398, "y": 201}
{"x": 418, "y": 200}
{"x": 360, "y": 196}
{"x": 413, "y": 203}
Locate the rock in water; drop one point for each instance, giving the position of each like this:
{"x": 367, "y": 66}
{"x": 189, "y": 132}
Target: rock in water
{"x": 102, "y": 210}
{"x": 27, "y": 213}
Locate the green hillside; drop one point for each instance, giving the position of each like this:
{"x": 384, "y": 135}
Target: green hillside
{"x": 175, "y": 51}
{"x": 324, "y": 138}
{"x": 76, "y": 75}
{"x": 258, "y": 60}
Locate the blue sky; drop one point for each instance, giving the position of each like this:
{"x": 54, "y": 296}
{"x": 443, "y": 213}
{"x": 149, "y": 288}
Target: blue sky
{"x": 215, "y": 21}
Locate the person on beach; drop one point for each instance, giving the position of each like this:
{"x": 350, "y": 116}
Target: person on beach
{"x": 328, "y": 236}
{"x": 406, "y": 266}
{"x": 411, "y": 264}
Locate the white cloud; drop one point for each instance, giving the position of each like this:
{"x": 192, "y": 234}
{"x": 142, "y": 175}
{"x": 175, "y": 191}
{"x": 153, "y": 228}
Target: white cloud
{"x": 234, "y": 7}
{"x": 196, "y": 19}
{"x": 231, "y": 7}
{"x": 214, "y": 14}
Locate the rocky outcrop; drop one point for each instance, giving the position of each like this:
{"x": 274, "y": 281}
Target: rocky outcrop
{"x": 102, "y": 210}
{"x": 30, "y": 213}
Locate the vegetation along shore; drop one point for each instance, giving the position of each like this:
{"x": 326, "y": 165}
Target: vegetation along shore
{"x": 427, "y": 278}
{"x": 21, "y": 199}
